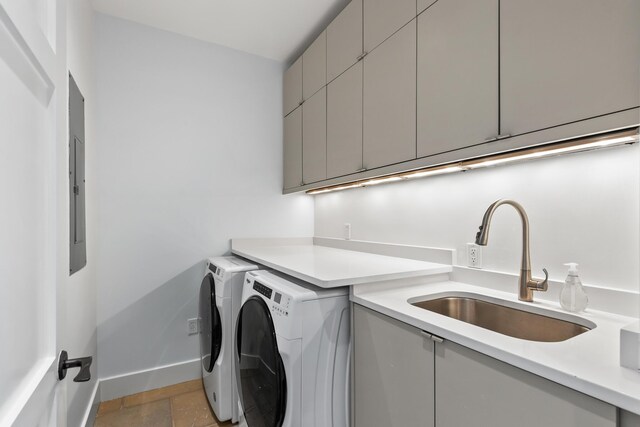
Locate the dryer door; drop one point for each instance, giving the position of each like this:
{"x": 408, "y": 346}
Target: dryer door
{"x": 262, "y": 385}
{"x": 210, "y": 326}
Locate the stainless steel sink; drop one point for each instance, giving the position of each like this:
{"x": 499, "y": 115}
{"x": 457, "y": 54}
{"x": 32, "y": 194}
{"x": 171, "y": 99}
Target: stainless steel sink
{"x": 505, "y": 320}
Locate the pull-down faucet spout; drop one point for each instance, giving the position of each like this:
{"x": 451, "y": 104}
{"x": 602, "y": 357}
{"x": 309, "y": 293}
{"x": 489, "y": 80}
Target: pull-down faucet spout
{"x": 526, "y": 282}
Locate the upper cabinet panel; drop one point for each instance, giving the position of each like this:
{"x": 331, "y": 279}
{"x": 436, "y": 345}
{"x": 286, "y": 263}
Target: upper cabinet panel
{"x": 292, "y": 87}
{"x": 457, "y": 75}
{"x": 292, "y": 159}
{"x": 383, "y": 18}
{"x": 390, "y": 100}
{"x": 344, "y": 40}
{"x": 423, "y": 4}
{"x": 567, "y": 60}
{"x": 314, "y": 138}
{"x": 314, "y": 66}
{"x": 344, "y": 123}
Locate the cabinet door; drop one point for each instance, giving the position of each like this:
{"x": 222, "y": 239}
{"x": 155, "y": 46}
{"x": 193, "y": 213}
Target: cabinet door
{"x": 423, "y": 4}
{"x": 292, "y": 87}
{"x": 457, "y": 75}
{"x": 314, "y": 66}
{"x": 292, "y": 163}
{"x": 344, "y": 123}
{"x": 567, "y": 60}
{"x": 390, "y": 100}
{"x": 382, "y": 18}
{"x": 393, "y": 372}
{"x": 344, "y": 40}
{"x": 476, "y": 390}
{"x": 314, "y": 137}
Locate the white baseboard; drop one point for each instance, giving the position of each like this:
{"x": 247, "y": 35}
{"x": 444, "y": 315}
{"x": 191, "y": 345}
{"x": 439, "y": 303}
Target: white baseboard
{"x": 92, "y": 410}
{"x": 137, "y": 382}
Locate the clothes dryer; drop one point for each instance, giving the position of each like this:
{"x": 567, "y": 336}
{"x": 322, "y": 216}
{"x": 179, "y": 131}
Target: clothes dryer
{"x": 220, "y": 294}
{"x": 292, "y": 351}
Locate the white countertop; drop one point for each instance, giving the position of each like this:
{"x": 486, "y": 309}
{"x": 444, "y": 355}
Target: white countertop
{"x": 588, "y": 363}
{"x": 329, "y": 267}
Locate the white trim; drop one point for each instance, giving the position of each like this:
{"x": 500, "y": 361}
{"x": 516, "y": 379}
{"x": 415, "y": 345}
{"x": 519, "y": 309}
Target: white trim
{"x": 92, "y": 410}
{"x": 28, "y": 404}
{"x": 28, "y": 54}
{"x": 149, "y": 379}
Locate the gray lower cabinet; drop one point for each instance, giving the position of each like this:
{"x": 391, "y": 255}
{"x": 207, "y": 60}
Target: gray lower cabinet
{"x": 393, "y": 372}
{"x": 628, "y": 419}
{"x": 344, "y": 40}
{"x": 402, "y": 378}
{"x": 292, "y": 156}
{"x": 457, "y": 75}
{"x": 476, "y": 390}
{"x": 344, "y": 123}
{"x": 390, "y": 100}
{"x": 314, "y": 137}
{"x": 567, "y": 60}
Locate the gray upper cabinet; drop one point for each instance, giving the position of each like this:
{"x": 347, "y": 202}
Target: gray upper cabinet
{"x": 476, "y": 390}
{"x": 344, "y": 123}
{"x": 314, "y": 137}
{"x": 389, "y": 104}
{"x": 292, "y": 161}
{"x": 382, "y": 18}
{"x": 457, "y": 75}
{"x": 393, "y": 372}
{"x": 423, "y": 4}
{"x": 292, "y": 87}
{"x": 344, "y": 40}
{"x": 314, "y": 67}
{"x": 567, "y": 60}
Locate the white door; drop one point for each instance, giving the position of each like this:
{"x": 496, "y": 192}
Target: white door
{"x": 33, "y": 132}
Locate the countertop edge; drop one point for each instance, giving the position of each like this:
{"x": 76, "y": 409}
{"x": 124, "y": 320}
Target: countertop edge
{"x": 440, "y": 269}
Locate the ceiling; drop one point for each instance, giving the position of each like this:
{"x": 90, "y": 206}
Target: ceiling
{"x": 275, "y": 29}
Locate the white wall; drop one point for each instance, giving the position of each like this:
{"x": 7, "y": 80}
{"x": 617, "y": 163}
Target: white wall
{"x": 582, "y": 208}
{"x": 80, "y": 327}
{"x": 189, "y": 155}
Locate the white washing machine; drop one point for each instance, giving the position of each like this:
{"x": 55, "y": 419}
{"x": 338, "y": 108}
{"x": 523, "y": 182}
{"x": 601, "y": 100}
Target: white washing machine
{"x": 220, "y": 294}
{"x": 292, "y": 351}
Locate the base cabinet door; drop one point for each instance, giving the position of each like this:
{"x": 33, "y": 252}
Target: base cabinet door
{"x": 566, "y": 60}
{"x": 393, "y": 372}
{"x": 476, "y": 390}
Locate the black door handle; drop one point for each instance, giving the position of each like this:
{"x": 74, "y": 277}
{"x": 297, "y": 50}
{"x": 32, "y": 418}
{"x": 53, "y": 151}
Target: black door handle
{"x": 84, "y": 363}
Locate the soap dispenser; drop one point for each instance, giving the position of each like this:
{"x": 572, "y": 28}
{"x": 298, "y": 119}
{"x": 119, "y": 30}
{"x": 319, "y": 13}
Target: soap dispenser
{"x": 573, "y": 296}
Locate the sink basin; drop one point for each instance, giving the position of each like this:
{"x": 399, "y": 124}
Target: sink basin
{"x": 505, "y": 320}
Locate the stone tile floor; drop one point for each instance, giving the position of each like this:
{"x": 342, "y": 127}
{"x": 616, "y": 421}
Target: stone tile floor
{"x": 179, "y": 405}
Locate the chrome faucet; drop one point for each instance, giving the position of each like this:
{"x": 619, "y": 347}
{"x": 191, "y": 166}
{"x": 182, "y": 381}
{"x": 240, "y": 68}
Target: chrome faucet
{"x": 527, "y": 283}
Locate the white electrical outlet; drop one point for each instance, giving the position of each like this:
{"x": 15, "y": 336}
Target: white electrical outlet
{"x": 474, "y": 255}
{"x": 347, "y": 231}
{"x": 192, "y": 326}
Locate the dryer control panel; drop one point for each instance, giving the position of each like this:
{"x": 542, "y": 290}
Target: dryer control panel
{"x": 279, "y": 302}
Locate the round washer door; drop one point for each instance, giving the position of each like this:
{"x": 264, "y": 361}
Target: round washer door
{"x": 211, "y": 332}
{"x": 262, "y": 385}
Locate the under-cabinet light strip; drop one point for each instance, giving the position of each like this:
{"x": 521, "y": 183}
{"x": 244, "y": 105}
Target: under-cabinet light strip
{"x": 593, "y": 142}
